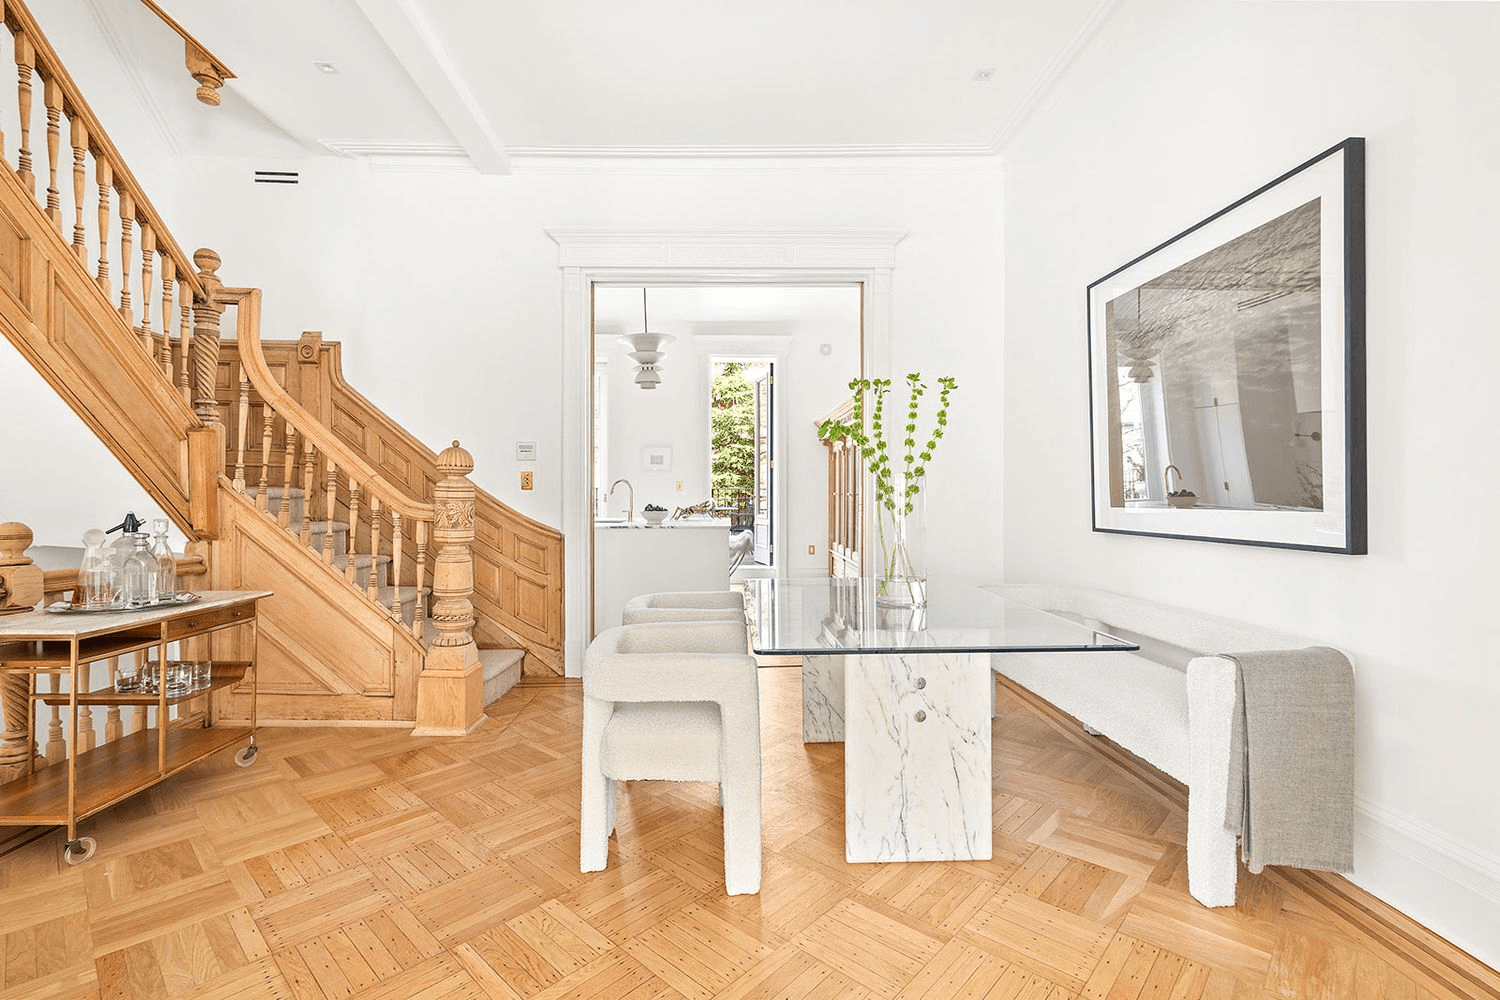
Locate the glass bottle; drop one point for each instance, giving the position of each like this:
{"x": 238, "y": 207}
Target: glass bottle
{"x": 166, "y": 563}
{"x": 98, "y": 573}
{"x": 140, "y": 572}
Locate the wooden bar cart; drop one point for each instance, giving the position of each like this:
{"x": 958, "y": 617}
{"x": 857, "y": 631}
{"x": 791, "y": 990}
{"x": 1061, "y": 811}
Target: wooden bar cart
{"x": 62, "y": 645}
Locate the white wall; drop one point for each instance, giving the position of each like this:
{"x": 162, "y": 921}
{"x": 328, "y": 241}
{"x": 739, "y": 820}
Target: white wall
{"x": 447, "y": 294}
{"x": 56, "y": 477}
{"x": 1174, "y": 110}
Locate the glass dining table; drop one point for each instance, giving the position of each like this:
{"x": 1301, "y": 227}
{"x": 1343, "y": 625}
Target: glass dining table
{"x": 910, "y": 694}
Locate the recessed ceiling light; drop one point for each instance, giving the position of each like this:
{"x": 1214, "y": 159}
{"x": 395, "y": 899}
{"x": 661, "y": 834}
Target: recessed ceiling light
{"x": 328, "y": 67}
{"x": 983, "y": 74}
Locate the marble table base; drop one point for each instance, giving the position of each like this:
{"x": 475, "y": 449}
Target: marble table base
{"x": 916, "y": 756}
{"x": 823, "y": 699}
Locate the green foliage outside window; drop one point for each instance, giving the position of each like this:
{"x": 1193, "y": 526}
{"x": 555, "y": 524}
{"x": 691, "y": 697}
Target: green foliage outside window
{"x": 732, "y": 429}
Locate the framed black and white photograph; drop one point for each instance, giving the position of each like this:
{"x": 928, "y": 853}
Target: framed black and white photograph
{"x": 1226, "y": 371}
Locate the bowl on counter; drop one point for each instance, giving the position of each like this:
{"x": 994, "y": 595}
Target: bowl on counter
{"x": 654, "y": 517}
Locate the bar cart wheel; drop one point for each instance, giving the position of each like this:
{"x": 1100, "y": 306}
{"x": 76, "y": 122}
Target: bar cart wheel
{"x": 76, "y": 852}
{"x": 246, "y": 757}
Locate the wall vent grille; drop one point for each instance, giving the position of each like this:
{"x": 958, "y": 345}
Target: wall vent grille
{"x": 276, "y": 177}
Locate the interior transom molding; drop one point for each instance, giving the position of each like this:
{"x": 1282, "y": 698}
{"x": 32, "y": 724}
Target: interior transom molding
{"x": 735, "y": 249}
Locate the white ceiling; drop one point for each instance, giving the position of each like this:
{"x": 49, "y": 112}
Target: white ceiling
{"x": 493, "y": 80}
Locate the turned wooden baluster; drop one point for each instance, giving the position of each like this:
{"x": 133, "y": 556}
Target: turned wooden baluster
{"x": 78, "y": 134}
{"x": 420, "y": 616}
{"x": 25, "y": 65}
{"x": 104, "y": 174}
{"x": 184, "y": 339}
{"x": 330, "y": 507}
{"x": 53, "y": 99}
{"x": 372, "y": 585}
{"x": 265, "y": 455}
{"x": 114, "y": 728}
{"x": 396, "y": 546}
{"x": 87, "y": 738}
{"x": 127, "y": 257}
{"x": 168, "y": 281}
{"x": 168, "y": 286}
{"x": 243, "y": 419}
{"x": 206, "y": 312}
{"x": 56, "y": 750}
{"x": 284, "y": 518}
{"x": 138, "y": 714}
{"x": 353, "y": 530}
{"x": 307, "y": 492}
{"x": 148, "y": 286}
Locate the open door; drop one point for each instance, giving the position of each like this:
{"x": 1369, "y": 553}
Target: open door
{"x": 765, "y": 467}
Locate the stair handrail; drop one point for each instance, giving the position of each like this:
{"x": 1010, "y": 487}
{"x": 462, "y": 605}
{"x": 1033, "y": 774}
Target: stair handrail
{"x": 247, "y": 332}
{"x": 49, "y": 66}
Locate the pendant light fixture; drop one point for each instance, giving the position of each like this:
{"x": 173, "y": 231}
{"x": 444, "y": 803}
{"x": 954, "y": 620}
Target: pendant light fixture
{"x": 646, "y": 350}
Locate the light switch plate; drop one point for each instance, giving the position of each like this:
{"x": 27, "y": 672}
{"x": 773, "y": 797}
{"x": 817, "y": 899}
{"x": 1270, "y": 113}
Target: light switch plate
{"x": 526, "y": 452}
{"x": 525, "y": 480}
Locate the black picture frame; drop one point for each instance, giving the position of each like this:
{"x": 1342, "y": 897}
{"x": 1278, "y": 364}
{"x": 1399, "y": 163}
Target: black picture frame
{"x": 1234, "y": 354}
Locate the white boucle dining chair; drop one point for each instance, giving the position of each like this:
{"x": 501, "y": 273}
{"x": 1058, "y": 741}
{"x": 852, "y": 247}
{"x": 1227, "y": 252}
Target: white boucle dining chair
{"x": 673, "y": 701}
{"x": 685, "y": 606}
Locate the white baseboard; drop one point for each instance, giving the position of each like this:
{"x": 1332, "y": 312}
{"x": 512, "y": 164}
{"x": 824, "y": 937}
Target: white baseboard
{"x": 1449, "y": 885}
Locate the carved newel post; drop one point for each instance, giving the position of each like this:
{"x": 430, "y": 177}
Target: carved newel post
{"x": 206, "y": 312}
{"x": 450, "y": 689}
{"x": 20, "y": 590}
{"x": 206, "y": 444}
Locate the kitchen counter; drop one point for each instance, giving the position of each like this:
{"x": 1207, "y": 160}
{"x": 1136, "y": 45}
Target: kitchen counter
{"x": 637, "y": 558}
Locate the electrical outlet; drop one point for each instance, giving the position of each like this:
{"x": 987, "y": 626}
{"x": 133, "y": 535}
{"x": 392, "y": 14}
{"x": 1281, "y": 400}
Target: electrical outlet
{"x": 812, "y": 550}
{"x": 525, "y": 480}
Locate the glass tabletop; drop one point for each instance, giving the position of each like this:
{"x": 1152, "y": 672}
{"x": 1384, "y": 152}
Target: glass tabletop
{"x": 821, "y": 616}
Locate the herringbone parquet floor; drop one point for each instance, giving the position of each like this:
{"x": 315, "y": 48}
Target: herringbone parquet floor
{"x": 368, "y": 864}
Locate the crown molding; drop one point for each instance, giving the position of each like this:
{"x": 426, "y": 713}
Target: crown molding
{"x": 752, "y": 152}
{"x": 403, "y": 156}
{"x": 733, "y": 249}
{"x": 1053, "y": 71}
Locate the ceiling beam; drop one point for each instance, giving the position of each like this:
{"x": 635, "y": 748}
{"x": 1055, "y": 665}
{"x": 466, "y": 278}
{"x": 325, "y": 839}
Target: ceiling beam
{"x": 406, "y": 32}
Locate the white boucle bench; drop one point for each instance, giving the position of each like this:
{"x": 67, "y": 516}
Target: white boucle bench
{"x": 1170, "y": 704}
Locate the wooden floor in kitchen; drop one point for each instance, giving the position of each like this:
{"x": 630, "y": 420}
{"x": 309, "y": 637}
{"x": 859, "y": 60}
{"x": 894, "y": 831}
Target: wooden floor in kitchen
{"x": 360, "y": 863}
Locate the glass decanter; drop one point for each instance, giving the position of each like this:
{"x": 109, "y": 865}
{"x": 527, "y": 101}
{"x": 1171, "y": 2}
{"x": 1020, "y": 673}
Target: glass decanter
{"x": 140, "y": 572}
{"x": 98, "y": 574}
{"x": 166, "y": 563}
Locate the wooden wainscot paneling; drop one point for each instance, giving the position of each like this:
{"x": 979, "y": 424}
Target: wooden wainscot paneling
{"x": 66, "y": 328}
{"x": 326, "y": 652}
{"x": 15, "y": 262}
{"x": 349, "y": 428}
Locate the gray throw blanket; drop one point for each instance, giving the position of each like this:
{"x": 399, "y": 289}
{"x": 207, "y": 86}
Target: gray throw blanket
{"x": 1291, "y": 759}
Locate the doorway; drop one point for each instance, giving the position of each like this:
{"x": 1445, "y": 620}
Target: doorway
{"x": 589, "y": 257}
{"x": 793, "y": 350}
{"x": 742, "y": 459}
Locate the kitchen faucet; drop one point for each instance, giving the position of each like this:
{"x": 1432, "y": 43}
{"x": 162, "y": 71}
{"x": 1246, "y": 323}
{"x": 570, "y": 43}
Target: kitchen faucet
{"x": 630, "y": 508}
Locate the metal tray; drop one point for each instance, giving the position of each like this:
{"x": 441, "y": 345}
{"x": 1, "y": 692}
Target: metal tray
{"x": 67, "y": 608}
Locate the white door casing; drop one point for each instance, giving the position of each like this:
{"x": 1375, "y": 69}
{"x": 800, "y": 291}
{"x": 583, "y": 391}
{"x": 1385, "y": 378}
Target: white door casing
{"x": 687, "y": 256}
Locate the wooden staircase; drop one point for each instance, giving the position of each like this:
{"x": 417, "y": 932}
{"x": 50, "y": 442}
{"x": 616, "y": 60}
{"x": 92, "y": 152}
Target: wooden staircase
{"x": 517, "y": 561}
{"x": 386, "y": 562}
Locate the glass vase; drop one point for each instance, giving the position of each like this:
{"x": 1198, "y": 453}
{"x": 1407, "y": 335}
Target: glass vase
{"x": 901, "y": 544}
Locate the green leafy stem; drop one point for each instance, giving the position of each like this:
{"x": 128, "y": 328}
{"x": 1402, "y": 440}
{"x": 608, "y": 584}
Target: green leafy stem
{"x": 874, "y": 443}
